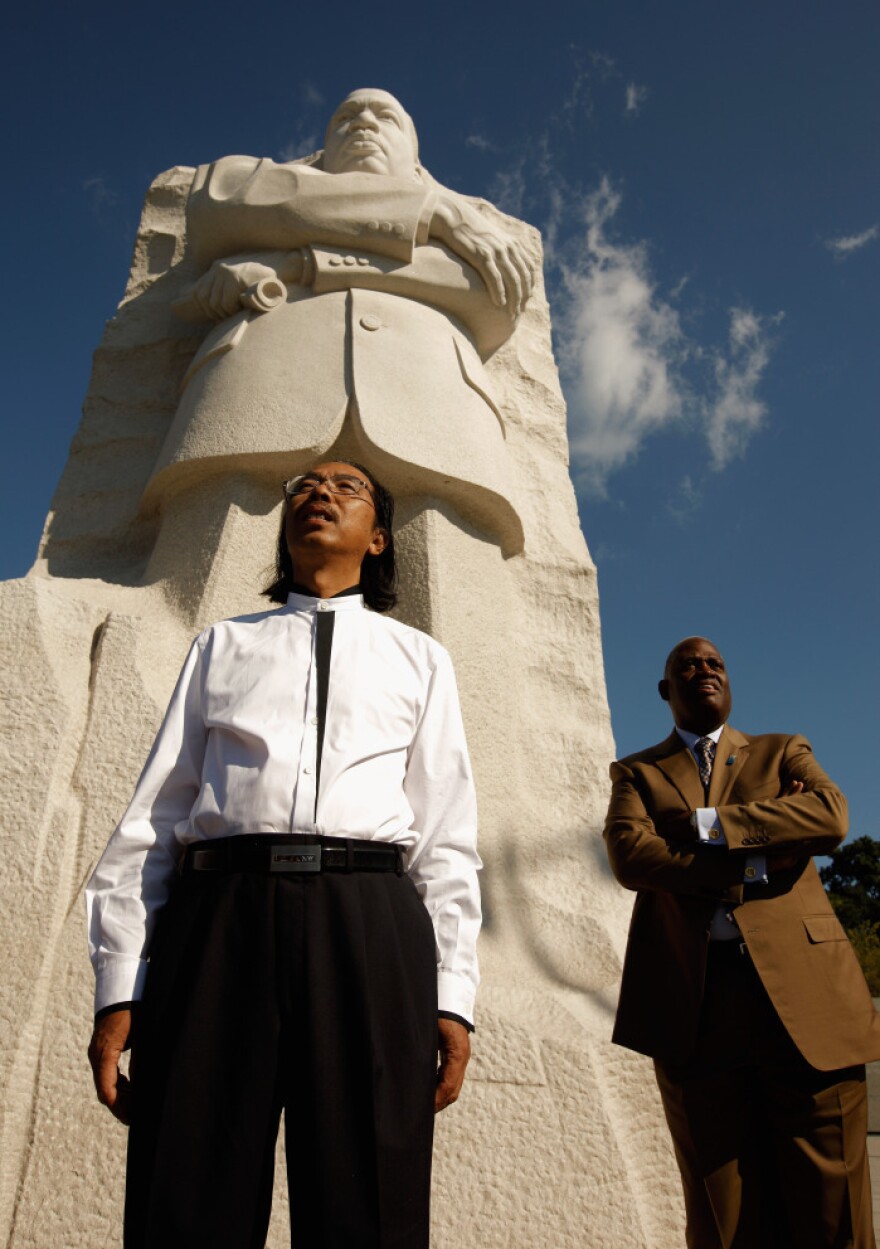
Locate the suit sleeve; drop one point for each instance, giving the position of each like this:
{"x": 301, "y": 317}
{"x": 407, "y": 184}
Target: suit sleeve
{"x": 241, "y": 203}
{"x": 813, "y": 822}
{"x": 643, "y": 859}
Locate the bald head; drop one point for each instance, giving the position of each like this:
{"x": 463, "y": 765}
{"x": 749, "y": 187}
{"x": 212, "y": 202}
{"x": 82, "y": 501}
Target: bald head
{"x": 683, "y": 647}
{"x": 695, "y": 685}
{"x": 371, "y": 132}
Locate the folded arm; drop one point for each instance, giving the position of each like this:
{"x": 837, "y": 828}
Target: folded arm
{"x": 241, "y": 204}
{"x": 801, "y": 814}
{"x": 668, "y": 857}
{"x": 806, "y": 815}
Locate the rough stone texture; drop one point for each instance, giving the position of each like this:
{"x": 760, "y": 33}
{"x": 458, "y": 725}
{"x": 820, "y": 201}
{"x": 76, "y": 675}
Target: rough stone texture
{"x": 558, "y": 1139}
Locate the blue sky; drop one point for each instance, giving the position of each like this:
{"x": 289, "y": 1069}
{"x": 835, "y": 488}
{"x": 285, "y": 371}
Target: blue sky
{"x": 707, "y": 179}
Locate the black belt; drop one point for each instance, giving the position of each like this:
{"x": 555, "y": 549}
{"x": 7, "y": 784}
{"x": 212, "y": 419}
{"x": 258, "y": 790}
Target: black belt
{"x": 291, "y": 852}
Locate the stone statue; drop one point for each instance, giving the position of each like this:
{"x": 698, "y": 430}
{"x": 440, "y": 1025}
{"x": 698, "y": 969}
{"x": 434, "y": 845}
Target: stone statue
{"x": 344, "y": 306}
{"x": 353, "y": 288}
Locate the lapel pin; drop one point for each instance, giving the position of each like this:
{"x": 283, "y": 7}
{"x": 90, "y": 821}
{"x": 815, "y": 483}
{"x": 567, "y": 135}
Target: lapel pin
{"x": 730, "y": 759}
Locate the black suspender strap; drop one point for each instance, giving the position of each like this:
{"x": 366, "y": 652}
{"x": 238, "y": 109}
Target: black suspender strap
{"x": 324, "y": 622}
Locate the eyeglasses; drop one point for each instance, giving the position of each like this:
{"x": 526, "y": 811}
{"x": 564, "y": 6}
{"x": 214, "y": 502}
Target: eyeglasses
{"x": 345, "y": 484}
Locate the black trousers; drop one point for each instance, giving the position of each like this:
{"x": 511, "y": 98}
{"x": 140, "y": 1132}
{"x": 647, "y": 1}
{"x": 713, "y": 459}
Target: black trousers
{"x": 315, "y": 993}
{"x": 772, "y": 1152}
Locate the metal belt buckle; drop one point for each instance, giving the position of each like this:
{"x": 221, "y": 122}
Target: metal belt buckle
{"x": 287, "y": 858}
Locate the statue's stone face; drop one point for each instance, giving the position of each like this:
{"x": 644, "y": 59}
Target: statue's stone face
{"x": 370, "y": 132}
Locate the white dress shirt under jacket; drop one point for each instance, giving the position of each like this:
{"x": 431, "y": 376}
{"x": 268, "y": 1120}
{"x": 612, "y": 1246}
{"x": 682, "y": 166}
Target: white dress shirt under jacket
{"x": 711, "y": 833}
{"x": 237, "y": 753}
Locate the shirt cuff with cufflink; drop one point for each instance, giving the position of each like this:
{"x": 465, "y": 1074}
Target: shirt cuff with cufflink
{"x": 708, "y": 828}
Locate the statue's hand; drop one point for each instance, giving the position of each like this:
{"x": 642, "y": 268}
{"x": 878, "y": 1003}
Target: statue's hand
{"x": 507, "y": 273}
{"x": 229, "y": 285}
{"x": 217, "y": 295}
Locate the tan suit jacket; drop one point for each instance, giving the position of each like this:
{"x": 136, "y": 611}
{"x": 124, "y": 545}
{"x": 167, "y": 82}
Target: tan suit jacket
{"x": 798, "y": 947}
{"x": 391, "y": 333}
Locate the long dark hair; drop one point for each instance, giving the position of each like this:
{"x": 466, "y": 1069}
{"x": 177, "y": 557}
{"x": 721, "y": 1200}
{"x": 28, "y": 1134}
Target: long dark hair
{"x": 378, "y": 572}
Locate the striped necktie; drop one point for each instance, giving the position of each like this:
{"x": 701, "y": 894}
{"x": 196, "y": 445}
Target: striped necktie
{"x": 704, "y": 749}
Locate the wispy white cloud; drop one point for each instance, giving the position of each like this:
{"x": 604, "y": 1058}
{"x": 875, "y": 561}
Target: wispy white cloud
{"x": 635, "y": 97}
{"x": 604, "y": 66}
{"x": 628, "y": 367}
{"x": 508, "y": 188}
{"x": 590, "y": 68}
{"x": 846, "y": 244}
{"x": 303, "y": 142}
{"x": 99, "y": 192}
{"x": 621, "y": 348}
{"x": 307, "y": 132}
{"x": 480, "y": 142}
{"x": 633, "y": 359}
{"x": 685, "y": 499}
{"x": 735, "y": 411}
{"x": 311, "y": 95}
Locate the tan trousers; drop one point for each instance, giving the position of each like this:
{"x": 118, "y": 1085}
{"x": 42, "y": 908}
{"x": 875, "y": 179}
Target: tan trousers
{"x": 772, "y": 1152}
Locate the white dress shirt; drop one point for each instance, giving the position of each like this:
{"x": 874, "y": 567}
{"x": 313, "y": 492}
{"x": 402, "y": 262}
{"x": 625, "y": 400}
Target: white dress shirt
{"x": 711, "y": 833}
{"x": 237, "y": 753}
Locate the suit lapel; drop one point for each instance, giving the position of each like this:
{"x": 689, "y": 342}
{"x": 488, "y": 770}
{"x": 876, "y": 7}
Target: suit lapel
{"x": 680, "y": 767}
{"x": 731, "y": 754}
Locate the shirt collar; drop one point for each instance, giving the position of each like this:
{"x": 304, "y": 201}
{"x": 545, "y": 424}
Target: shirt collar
{"x": 349, "y": 600}
{"x": 690, "y": 739}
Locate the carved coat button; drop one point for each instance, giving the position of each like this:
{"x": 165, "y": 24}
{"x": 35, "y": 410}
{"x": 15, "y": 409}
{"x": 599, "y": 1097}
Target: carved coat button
{"x": 373, "y": 225}
{"x": 363, "y": 260}
{"x": 369, "y": 322}
{"x": 334, "y": 260}
{"x": 348, "y": 260}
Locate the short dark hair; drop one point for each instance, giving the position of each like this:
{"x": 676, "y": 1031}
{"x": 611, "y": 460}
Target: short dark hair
{"x": 378, "y": 572}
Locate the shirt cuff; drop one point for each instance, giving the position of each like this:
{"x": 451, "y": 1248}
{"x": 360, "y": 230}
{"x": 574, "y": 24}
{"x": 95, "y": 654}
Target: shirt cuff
{"x": 755, "y": 870}
{"x": 448, "y": 1014}
{"x": 111, "y": 1010}
{"x": 118, "y": 978}
{"x": 708, "y": 826}
{"x": 456, "y": 996}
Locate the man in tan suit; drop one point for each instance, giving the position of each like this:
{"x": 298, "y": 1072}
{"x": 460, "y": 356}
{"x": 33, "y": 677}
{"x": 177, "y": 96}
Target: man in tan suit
{"x": 739, "y": 980}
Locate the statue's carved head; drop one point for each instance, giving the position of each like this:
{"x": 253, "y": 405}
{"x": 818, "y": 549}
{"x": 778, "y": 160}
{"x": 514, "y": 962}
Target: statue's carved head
{"x": 371, "y": 132}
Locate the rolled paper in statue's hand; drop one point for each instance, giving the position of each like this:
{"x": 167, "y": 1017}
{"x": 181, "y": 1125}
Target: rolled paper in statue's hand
{"x": 264, "y": 295}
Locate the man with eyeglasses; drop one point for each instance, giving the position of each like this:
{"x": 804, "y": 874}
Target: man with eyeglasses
{"x": 293, "y": 894}
{"x": 739, "y": 980}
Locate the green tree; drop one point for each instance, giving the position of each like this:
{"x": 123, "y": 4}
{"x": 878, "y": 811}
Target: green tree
{"x": 852, "y": 880}
{"x": 866, "y": 943}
